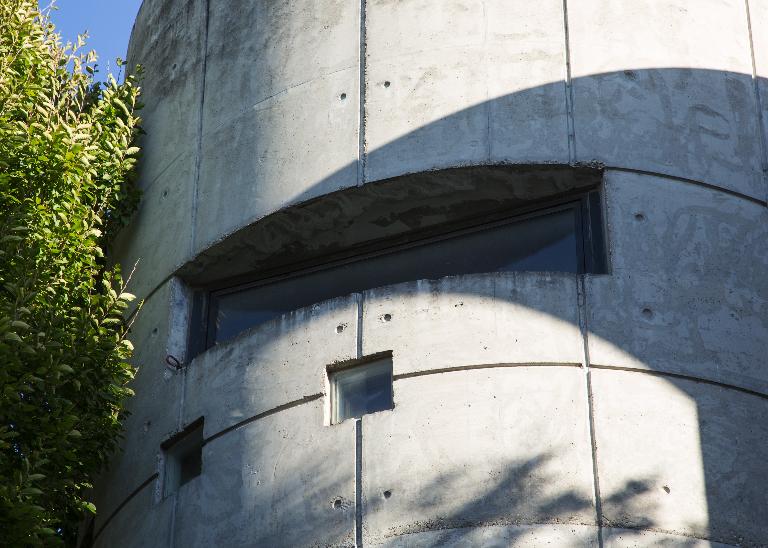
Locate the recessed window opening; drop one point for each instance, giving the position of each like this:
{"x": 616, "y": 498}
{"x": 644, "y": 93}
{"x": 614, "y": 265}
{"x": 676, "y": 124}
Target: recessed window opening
{"x": 361, "y": 389}
{"x": 563, "y": 236}
{"x": 183, "y": 457}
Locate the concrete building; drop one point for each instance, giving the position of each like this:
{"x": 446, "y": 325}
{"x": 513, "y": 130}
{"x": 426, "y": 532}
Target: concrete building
{"x": 448, "y": 273}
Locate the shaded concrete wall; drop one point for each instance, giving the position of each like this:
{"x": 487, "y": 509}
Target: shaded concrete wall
{"x": 628, "y": 409}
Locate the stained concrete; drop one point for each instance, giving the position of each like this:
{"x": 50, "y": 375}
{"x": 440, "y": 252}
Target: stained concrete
{"x": 285, "y": 480}
{"x": 168, "y": 41}
{"x": 420, "y": 204}
{"x": 500, "y": 536}
{"x": 141, "y": 523}
{"x": 474, "y": 320}
{"x": 657, "y": 85}
{"x": 681, "y": 457}
{"x": 154, "y": 414}
{"x": 633, "y": 538}
{"x": 279, "y": 132}
{"x": 682, "y": 104}
{"x": 271, "y": 365}
{"x": 162, "y": 219}
{"x": 759, "y": 18}
{"x": 482, "y": 447}
{"x": 429, "y": 79}
{"x": 688, "y": 293}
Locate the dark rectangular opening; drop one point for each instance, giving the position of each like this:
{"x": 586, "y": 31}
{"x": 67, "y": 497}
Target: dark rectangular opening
{"x": 564, "y": 235}
{"x": 183, "y": 457}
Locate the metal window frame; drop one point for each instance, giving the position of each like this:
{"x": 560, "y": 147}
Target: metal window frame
{"x": 591, "y": 251}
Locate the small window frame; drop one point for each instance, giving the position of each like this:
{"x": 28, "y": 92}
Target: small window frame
{"x": 335, "y": 370}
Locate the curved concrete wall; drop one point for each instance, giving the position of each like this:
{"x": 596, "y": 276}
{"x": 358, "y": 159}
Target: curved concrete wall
{"x": 628, "y": 409}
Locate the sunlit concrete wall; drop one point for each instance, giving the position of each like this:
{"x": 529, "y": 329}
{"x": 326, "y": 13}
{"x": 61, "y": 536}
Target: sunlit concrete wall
{"x": 628, "y": 409}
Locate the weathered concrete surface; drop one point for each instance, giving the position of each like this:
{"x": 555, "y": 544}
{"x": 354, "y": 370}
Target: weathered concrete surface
{"x": 279, "y": 132}
{"x": 497, "y": 536}
{"x": 159, "y": 238}
{"x": 633, "y": 538}
{"x": 659, "y": 85}
{"x": 689, "y": 293}
{"x": 758, "y": 11}
{"x": 154, "y": 410}
{"x": 481, "y": 447}
{"x": 429, "y": 81}
{"x": 665, "y": 86}
{"x": 520, "y": 317}
{"x": 284, "y": 480}
{"x": 168, "y": 42}
{"x": 271, "y": 365}
{"x": 142, "y": 523}
{"x": 681, "y": 457}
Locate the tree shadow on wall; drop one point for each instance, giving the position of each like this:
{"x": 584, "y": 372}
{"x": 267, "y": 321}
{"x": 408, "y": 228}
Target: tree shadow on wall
{"x": 520, "y": 507}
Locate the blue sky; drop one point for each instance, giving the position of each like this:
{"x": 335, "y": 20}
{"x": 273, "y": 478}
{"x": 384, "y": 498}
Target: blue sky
{"x": 108, "y": 23}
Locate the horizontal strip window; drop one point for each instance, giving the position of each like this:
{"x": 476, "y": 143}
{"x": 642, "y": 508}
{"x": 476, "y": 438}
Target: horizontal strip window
{"x": 566, "y": 237}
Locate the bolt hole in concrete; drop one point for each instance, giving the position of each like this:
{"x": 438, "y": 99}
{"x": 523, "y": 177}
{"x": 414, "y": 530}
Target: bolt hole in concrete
{"x": 343, "y": 96}
{"x": 165, "y": 193}
{"x": 154, "y": 331}
{"x": 340, "y": 328}
{"x": 386, "y": 317}
{"x": 387, "y": 84}
{"x": 387, "y": 494}
{"x": 647, "y": 312}
{"x": 337, "y": 503}
{"x": 639, "y": 217}
{"x": 667, "y": 489}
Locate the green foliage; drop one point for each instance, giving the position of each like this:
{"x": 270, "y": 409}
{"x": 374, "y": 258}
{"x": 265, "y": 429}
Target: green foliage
{"x": 66, "y": 163}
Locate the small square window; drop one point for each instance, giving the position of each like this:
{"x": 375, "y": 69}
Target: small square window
{"x": 183, "y": 457}
{"x": 361, "y": 389}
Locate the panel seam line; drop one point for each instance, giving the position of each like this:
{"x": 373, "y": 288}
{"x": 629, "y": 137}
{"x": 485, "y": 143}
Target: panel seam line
{"x": 475, "y": 367}
{"x": 756, "y": 87}
{"x": 361, "y": 153}
{"x": 582, "y": 306}
{"x": 569, "y": 87}
{"x": 682, "y": 376}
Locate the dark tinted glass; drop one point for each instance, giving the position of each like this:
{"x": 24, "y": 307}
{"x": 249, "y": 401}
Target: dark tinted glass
{"x": 362, "y": 389}
{"x": 191, "y": 465}
{"x": 548, "y": 242}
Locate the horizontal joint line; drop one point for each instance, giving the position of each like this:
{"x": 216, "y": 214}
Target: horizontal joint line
{"x": 278, "y": 409}
{"x": 127, "y": 499}
{"x": 481, "y": 366}
{"x": 682, "y": 376}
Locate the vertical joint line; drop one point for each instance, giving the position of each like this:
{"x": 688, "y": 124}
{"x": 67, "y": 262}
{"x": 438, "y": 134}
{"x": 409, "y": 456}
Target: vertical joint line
{"x": 358, "y": 483}
{"x": 569, "y": 87}
{"x": 756, "y": 86}
{"x": 584, "y": 327}
{"x": 488, "y": 136}
{"x": 361, "y": 153}
{"x": 199, "y": 147}
{"x": 359, "y": 325}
